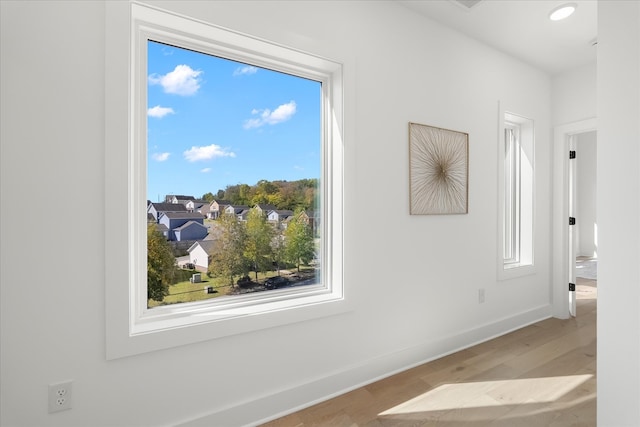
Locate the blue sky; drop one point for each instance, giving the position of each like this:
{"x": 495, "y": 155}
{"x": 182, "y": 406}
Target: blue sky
{"x": 213, "y": 122}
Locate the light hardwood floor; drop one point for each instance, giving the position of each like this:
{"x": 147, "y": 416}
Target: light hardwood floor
{"x": 540, "y": 375}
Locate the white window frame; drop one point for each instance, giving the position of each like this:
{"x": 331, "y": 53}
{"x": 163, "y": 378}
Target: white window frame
{"x": 516, "y": 196}
{"x": 512, "y": 188}
{"x": 132, "y": 328}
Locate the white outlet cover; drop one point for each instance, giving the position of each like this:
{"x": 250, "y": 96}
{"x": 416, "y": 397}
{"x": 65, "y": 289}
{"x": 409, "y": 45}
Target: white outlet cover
{"x": 60, "y": 396}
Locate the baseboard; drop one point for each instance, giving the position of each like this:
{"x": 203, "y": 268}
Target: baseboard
{"x": 283, "y": 402}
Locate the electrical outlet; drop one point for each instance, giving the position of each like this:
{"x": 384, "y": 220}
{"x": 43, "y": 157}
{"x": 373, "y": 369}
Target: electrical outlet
{"x": 60, "y": 395}
{"x": 481, "y": 295}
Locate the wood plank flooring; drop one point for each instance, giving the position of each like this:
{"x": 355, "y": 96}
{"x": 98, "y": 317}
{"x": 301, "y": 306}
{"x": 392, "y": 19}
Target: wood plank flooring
{"x": 541, "y": 375}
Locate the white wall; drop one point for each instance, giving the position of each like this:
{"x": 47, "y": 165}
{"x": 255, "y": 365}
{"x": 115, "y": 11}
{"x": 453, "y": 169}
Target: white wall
{"x": 618, "y": 213}
{"x": 574, "y": 95}
{"x": 414, "y": 279}
{"x": 586, "y": 194}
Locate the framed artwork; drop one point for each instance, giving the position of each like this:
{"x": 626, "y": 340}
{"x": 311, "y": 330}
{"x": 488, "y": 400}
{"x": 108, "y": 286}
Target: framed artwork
{"x": 438, "y": 170}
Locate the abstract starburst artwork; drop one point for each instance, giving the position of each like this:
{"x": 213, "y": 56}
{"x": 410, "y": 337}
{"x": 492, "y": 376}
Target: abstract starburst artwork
{"x": 438, "y": 170}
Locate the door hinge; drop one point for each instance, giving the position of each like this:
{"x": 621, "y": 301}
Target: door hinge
{"x": 572, "y": 221}
{"x": 572, "y": 287}
{"x": 572, "y": 154}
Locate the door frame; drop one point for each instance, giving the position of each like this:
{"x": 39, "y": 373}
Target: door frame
{"x": 560, "y": 216}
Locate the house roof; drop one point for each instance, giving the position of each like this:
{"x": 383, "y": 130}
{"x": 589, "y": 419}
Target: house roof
{"x": 187, "y": 225}
{"x": 183, "y": 215}
{"x": 180, "y": 197}
{"x": 265, "y": 207}
{"x": 168, "y": 207}
{"x": 207, "y": 245}
{"x": 199, "y": 204}
{"x": 221, "y": 202}
{"x": 162, "y": 228}
{"x": 241, "y": 210}
{"x": 284, "y": 213}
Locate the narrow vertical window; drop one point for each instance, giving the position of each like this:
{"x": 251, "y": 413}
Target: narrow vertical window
{"x": 512, "y": 195}
{"x": 517, "y": 194}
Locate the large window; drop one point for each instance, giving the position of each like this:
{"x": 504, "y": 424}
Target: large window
{"x": 234, "y": 157}
{"x": 234, "y": 184}
{"x": 516, "y": 195}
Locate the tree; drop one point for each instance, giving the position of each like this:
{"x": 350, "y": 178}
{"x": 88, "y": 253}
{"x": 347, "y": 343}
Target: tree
{"x": 258, "y": 245}
{"x": 278, "y": 248}
{"x": 299, "y": 247}
{"x": 229, "y": 260}
{"x": 161, "y": 269}
{"x": 208, "y": 197}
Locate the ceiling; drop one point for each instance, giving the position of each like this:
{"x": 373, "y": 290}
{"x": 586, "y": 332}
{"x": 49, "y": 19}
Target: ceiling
{"x": 522, "y": 28}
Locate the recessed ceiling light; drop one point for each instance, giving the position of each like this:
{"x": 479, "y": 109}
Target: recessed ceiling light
{"x": 562, "y": 12}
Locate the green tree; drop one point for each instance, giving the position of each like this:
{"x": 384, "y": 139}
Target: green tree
{"x": 299, "y": 247}
{"x": 229, "y": 260}
{"x": 245, "y": 194}
{"x": 232, "y": 194}
{"x": 278, "y": 248}
{"x": 161, "y": 269}
{"x": 258, "y": 244}
{"x": 275, "y": 200}
{"x": 208, "y": 197}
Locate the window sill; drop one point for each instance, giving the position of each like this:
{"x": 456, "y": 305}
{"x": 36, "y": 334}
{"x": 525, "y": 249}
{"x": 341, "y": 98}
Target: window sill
{"x": 512, "y": 271}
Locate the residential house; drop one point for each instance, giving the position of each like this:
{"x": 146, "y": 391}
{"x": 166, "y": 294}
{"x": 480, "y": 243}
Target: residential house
{"x": 174, "y": 220}
{"x": 191, "y": 230}
{"x": 155, "y": 209}
{"x": 200, "y": 206}
{"x": 216, "y": 207}
{"x": 264, "y": 208}
{"x": 279, "y": 217}
{"x": 240, "y": 211}
{"x": 200, "y": 254}
{"x": 178, "y": 198}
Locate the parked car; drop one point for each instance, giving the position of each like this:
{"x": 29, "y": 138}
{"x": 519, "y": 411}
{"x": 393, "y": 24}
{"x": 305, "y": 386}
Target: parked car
{"x": 244, "y": 281}
{"x": 276, "y": 282}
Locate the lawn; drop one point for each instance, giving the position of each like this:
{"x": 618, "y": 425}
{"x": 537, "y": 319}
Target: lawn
{"x": 185, "y": 291}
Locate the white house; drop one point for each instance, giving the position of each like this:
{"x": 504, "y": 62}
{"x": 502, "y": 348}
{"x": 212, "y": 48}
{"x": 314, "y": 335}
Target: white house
{"x": 200, "y": 252}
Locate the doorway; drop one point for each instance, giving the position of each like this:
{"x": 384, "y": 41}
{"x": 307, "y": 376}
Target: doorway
{"x": 566, "y": 199}
{"x": 583, "y": 200}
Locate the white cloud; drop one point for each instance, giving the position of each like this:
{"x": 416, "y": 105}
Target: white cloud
{"x": 183, "y": 80}
{"x": 159, "y": 112}
{"x": 246, "y": 70}
{"x": 160, "y": 157}
{"x": 207, "y": 153}
{"x": 205, "y": 170}
{"x": 281, "y": 114}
